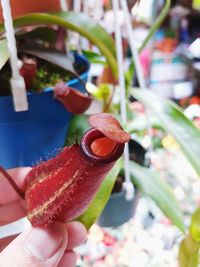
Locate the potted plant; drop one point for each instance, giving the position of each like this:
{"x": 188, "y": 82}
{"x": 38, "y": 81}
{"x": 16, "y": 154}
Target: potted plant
{"x": 148, "y": 181}
{"x": 118, "y": 209}
{"x": 33, "y": 127}
{"x": 30, "y": 141}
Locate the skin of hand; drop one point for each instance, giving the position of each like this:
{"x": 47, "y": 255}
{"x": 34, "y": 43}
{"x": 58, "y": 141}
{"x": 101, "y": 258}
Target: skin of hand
{"x": 38, "y": 246}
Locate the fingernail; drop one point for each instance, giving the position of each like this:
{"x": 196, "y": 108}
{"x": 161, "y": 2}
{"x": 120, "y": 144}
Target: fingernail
{"x": 43, "y": 243}
{"x": 68, "y": 259}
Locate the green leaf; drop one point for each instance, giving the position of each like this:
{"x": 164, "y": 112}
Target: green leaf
{"x": 94, "y": 57}
{"x": 57, "y": 58}
{"x": 189, "y": 248}
{"x": 154, "y": 27}
{"x": 42, "y": 33}
{"x": 129, "y": 74}
{"x": 4, "y": 53}
{"x": 77, "y": 127}
{"x": 157, "y": 23}
{"x": 79, "y": 23}
{"x": 103, "y": 92}
{"x": 139, "y": 123}
{"x": 98, "y": 204}
{"x": 159, "y": 191}
{"x": 174, "y": 122}
{"x": 188, "y": 255}
{"x": 195, "y": 226}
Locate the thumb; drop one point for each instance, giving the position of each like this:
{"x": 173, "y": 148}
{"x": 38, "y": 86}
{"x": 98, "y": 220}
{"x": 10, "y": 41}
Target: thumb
{"x": 37, "y": 247}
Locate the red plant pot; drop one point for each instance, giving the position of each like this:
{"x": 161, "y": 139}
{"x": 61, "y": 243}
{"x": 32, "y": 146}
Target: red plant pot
{"x": 22, "y": 7}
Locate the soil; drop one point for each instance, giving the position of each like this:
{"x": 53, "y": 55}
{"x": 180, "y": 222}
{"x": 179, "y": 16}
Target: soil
{"x": 118, "y": 184}
{"x": 47, "y": 76}
{"x": 137, "y": 154}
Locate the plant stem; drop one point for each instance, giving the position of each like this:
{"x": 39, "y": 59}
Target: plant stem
{"x": 157, "y": 23}
{"x": 12, "y": 182}
{"x": 109, "y": 102}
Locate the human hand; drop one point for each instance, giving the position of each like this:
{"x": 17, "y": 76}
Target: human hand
{"x": 38, "y": 246}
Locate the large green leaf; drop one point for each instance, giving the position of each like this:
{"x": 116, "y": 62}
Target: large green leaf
{"x": 139, "y": 123}
{"x": 157, "y": 23}
{"x": 44, "y": 34}
{"x": 159, "y": 191}
{"x": 77, "y": 22}
{"x": 188, "y": 255}
{"x": 175, "y": 122}
{"x": 195, "y": 226}
{"x": 154, "y": 27}
{"x": 4, "y": 53}
{"x": 189, "y": 248}
{"x": 94, "y": 57}
{"x": 98, "y": 204}
{"x": 51, "y": 56}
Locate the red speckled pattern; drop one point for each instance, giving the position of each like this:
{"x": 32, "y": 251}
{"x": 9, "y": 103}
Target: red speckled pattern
{"x": 63, "y": 187}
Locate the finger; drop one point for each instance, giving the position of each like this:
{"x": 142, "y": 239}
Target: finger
{"x": 7, "y": 193}
{"x": 76, "y": 234}
{"x": 4, "y": 242}
{"x": 36, "y": 247}
{"x": 68, "y": 259}
{"x": 12, "y": 212}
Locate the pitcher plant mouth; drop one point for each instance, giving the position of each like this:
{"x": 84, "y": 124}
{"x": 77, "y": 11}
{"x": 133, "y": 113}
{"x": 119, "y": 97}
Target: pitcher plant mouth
{"x": 88, "y": 140}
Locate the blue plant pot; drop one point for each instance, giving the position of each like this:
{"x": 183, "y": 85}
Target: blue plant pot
{"x": 118, "y": 210}
{"x": 33, "y": 135}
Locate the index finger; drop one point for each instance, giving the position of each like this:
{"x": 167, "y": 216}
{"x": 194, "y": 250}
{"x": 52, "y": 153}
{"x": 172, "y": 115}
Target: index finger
{"x": 7, "y": 192}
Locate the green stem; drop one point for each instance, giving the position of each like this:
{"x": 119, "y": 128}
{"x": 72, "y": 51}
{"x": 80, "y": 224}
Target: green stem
{"x": 154, "y": 28}
{"x": 79, "y": 23}
{"x": 156, "y": 24}
{"x": 12, "y": 182}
